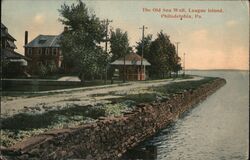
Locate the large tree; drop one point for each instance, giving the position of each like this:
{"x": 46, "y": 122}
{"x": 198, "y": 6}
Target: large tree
{"x": 160, "y": 53}
{"x": 81, "y": 41}
{"x": 146, "y": 46}
{"x": 119, "y": 44}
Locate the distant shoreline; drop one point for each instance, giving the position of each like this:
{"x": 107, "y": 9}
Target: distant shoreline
{"x": 217, "y": 70}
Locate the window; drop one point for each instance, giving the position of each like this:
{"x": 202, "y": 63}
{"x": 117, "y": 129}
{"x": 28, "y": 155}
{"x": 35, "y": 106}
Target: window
{"x": 29, "y": 51}
{"x": 43, "y": 50}
{"x": 47, "y": 51}
{"x": 40, "y": 51}
{"x": 42, "y": 40}
{"x": 54, "y": 51}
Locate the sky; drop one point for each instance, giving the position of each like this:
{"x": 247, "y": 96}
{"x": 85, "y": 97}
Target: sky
{"x": 210, "y": 40}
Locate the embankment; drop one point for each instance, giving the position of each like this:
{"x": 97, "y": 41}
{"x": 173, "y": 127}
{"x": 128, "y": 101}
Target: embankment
{"x": 110, "y": 137}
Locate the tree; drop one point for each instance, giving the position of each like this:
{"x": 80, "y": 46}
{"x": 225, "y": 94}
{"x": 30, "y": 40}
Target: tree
{"x": 80, "y": 43}
{"x": 146, "y": 47}
{"x": 119, "y": 44}
{"x": 161, "y": 54}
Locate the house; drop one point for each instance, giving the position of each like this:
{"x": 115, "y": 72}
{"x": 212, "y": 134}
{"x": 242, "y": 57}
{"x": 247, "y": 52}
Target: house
{"x": 44, "y": 50}
{"x": 13, "y": 64}
{"x": 133, "y": 65}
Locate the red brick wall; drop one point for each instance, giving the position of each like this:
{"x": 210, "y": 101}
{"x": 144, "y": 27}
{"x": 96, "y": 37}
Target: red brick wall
{"x": 42, "y": 55}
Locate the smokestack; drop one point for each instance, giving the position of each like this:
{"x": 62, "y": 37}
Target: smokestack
{"x": 26, "y": 38}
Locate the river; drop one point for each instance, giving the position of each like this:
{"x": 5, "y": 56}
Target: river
{"x": 216, "y": 129}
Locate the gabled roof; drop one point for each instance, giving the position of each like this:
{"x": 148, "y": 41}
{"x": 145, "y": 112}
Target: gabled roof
{"x": 131, "y": 59}
{"x": 45, "y": 41}
{"x": 4, "y": 33}
{"x": 9, "y": 54}
{"x": 3, "y": 26}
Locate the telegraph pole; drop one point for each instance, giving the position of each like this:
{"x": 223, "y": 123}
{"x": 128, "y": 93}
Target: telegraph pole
{"x": 143, "y": 29}
{"x": 184, "y": 63}
{"x": 177, "y": 43}
{"x": 106, "y": 23}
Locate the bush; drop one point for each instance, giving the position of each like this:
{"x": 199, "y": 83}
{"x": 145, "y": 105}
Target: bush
{"x": 42, "y": 70}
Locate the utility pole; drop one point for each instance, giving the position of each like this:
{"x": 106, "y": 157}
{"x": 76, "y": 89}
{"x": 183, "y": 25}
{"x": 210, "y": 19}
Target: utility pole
{"x": 184, "y": 64}
{"x": 143, "y": 29}
{"x": 106, "y": 23}
{"x": 177, "y": 43}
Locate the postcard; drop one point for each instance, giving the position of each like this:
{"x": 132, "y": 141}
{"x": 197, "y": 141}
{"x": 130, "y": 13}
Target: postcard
{"x": 114, "y": 79}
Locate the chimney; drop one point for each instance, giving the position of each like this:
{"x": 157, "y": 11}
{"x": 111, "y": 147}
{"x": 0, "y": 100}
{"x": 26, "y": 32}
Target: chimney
{"x": 26, "y": 38}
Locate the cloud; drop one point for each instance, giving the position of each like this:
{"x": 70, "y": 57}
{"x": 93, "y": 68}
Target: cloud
{"x": 39, "y": 18}
{"x": 231, "y": 23}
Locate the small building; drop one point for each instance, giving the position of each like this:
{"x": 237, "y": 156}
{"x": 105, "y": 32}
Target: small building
{"x": 13, "y": 64}
{"x": 44, "y": 50}
{"x": 133, "y": 65}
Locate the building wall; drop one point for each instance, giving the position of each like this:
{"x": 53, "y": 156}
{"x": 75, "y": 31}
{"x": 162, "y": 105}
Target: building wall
{"x": 132, "y": 73}
{"x": 43, "y": 56}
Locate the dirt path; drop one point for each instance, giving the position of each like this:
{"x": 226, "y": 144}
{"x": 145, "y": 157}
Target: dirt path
{"x": 71, "y": 97}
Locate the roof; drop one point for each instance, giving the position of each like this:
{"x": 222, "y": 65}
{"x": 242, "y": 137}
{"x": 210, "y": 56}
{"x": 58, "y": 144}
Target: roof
{"x": 11, "y": 44}
{"x": 45, "y": 41}
{"x": 131, "y": 59}
{"x": 4, "y": 32}
{"x": 9, "y": 54}
{"x": 3, "y": 26}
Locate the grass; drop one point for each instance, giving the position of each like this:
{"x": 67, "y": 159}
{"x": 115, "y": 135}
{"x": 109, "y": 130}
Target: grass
{"x": 159, "y": 93}
{"x": 33, "y": 90}
{"x": 23, "y": 125}
{"x": 176, "y": 87}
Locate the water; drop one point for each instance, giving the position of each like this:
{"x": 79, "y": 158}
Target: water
{"x": 217, "y": 129}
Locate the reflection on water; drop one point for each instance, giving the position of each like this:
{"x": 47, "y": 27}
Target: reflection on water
{"x": 215, "y": 129}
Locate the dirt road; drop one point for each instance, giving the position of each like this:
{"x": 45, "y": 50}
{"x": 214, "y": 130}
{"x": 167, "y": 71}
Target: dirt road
{"x": 72, "y": 97}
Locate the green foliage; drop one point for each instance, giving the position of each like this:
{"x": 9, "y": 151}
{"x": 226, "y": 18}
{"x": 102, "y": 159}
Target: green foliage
{"x": 114, "y": 109}
{"x": 177, "y": 87}
{"x": 42, "y": 70}
{"x": 161, "y": 54}
{"x": 80, "y": 44}
{"x": 119, "y": 44}
{"x": 146, "y": 46}
{"x": 45, "y": 70}
{"x": 52, "y": 67}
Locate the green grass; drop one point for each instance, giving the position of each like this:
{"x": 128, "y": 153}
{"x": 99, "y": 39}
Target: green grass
{"x": 161, "y": 92}
{"x": 24, "y": 125}
{"x": 176, "y": 87}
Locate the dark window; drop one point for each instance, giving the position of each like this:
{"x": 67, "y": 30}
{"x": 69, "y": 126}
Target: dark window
{"x": 47, "y": 51}
{"x": 40, "y": 51}
{"x": 29, "y": 51}
{"x": 42, "y": 41}
{"x": 54, "y": 51}
{"x": 44, "y": 49}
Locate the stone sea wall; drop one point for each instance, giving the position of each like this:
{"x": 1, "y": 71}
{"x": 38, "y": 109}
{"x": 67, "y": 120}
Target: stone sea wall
{"x": 110, "y": 137}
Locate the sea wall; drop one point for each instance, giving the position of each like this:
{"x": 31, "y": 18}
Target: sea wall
{"x": 110, "y": 137}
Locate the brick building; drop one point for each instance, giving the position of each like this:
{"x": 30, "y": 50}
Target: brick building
{"x": 44, "y": 50}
